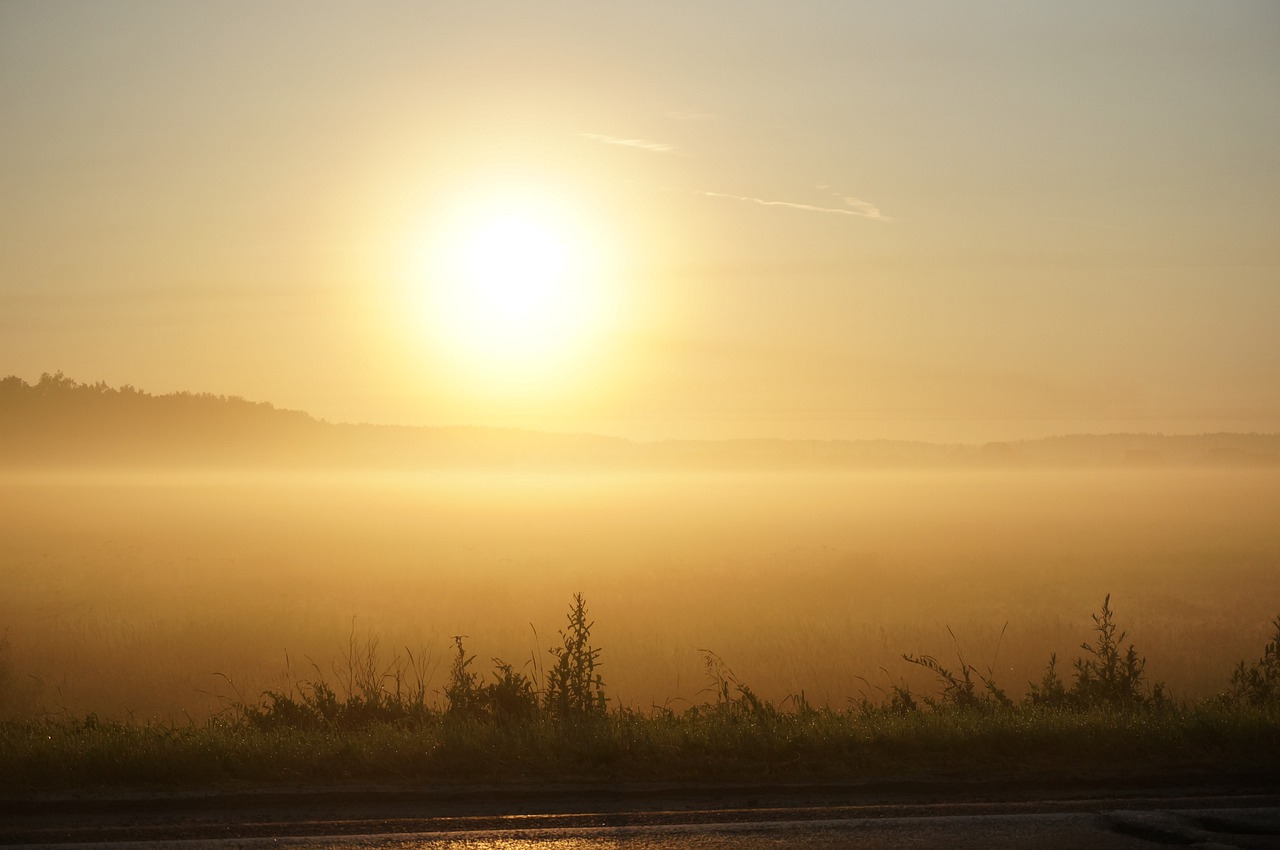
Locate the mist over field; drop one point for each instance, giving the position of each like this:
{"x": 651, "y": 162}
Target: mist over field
{"x": 126, "y": 592}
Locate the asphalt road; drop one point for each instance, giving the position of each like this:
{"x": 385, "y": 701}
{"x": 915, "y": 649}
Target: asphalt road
{"x": 667, "y": 820}
{"x": 1213, "y": 828}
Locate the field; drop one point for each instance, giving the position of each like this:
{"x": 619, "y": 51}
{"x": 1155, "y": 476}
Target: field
{"x": 169, "y": 595}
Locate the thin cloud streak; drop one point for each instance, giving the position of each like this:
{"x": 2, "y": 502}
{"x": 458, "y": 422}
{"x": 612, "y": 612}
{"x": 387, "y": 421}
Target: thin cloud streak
{"x": 642, "y": 144}
{"x": 864, "y": 208}
{"x": 857, "y": 206}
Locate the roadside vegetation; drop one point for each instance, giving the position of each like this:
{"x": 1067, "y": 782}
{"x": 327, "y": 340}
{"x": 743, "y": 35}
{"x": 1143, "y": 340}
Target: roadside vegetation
{"x": 378, "y": 719}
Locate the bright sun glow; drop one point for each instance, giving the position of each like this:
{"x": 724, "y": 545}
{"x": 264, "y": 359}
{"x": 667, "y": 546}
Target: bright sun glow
{"x": 515, "y": 291}
{"x": 515, "y": 281}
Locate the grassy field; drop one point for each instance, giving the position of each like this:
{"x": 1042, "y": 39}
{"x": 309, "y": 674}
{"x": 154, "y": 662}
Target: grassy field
{"x": 1100, "y": 721}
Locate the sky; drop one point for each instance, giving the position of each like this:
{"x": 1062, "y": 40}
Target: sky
{"x": 919, "y": 220}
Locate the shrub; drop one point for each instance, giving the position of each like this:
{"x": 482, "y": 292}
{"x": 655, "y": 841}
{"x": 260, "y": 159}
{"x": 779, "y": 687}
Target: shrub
{"x": 372, "y": 693}
{"x": 1111, "y": 676}
{"x": 959, "y": 691}
{"x": 732, "y": 696}
{"x": 1108, "y": 676}
{"x": 510, "y": 695}
{"x": 1258, "y": 683}
{"x": 574, "y": 689}
{"x": 1051, "y": 692}
{"x": 463, "y": 691}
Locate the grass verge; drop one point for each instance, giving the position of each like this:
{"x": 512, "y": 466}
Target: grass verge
{"x": 1106, "y": 724}
{"x": 715, "y": 745}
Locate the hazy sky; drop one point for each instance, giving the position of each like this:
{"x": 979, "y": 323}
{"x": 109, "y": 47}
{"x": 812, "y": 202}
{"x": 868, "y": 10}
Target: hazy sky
{"x": 824, "y": 219}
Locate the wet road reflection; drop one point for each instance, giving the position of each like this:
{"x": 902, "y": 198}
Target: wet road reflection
{"x": 1242, "y": 828}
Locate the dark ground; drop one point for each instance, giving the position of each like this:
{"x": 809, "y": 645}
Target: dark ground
{"x": 100, "y": 816}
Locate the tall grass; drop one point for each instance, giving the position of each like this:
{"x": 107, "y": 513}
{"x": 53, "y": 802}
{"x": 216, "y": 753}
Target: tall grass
{"x": 381, "y": 722}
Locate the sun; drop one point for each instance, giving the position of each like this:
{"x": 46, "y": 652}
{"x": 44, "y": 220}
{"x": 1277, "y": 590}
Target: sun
{"x": 515, "y": 287}
{"x": 514, "y": 290}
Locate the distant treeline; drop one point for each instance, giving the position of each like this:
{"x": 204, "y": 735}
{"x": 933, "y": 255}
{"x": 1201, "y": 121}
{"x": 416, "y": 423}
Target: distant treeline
{"x": 60, "y": 422}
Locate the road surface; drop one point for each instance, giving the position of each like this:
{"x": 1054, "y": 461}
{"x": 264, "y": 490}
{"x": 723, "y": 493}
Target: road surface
{"x": 821, "y": 818}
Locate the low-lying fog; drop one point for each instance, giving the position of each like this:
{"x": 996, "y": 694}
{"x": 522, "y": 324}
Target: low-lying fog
{"x": 125, "y": 595}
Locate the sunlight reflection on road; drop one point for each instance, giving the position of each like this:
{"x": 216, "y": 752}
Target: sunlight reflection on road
{"x": 1244, "y": 827}
{"x": 1044, "y": 831}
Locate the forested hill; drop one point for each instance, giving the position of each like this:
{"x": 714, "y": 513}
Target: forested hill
{"x": 60, "y": 422}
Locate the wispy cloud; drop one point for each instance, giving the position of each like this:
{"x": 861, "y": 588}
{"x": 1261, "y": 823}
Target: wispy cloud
{"x": 864, "y": 208}
{"x": 853, "y": 206}
{"x": 642, "y": 144}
